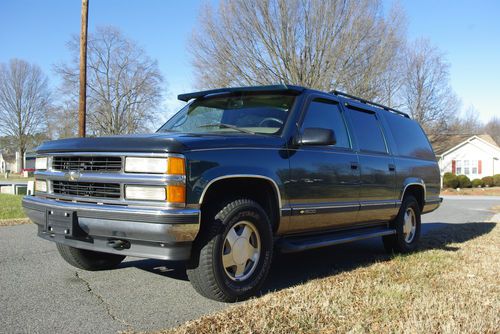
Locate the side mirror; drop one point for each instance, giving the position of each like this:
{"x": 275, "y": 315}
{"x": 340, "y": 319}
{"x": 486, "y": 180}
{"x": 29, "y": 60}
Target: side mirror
{"x": 317, "y": 136}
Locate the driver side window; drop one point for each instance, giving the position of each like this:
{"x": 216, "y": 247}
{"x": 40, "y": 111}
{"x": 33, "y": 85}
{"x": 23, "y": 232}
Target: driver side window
{"x": 327, "y": 115}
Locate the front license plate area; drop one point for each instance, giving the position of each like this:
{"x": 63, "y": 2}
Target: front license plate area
{"x": 62, "y": 222}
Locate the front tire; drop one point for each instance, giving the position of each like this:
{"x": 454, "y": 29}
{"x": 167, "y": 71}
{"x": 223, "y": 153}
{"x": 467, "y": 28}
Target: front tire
{"x": 87, "y": 259}
{"x": 235, "y": 252}
{"x": 407, "y": 225}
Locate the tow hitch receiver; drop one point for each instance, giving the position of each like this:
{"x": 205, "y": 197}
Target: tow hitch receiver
{"x": 119, "y": 244}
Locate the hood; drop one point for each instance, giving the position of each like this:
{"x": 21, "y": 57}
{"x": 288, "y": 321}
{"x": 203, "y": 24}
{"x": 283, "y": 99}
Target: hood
{"x": 159, "y": 143}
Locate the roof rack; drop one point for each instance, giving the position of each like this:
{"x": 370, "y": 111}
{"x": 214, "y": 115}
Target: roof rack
{"x": 336, "y": 92}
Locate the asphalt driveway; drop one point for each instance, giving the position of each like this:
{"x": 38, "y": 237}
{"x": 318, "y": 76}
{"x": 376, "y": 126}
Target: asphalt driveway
{"x": 39, "y": 292}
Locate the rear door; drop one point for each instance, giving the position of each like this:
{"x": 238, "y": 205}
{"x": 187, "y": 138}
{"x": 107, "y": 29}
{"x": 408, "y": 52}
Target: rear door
{"x": 377, "y": 195}
{"x": 324, "y": 180}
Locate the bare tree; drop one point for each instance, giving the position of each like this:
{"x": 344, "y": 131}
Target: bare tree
{"x": 24, "y": 99}
{"x": 493, "y": 129}
{"x": 469, "y": 121}
{"x": 61, "y": 120}
{"x": 426, "y": 91}
{"x": 123, "y": 83}
{"x": 322, "y": 44}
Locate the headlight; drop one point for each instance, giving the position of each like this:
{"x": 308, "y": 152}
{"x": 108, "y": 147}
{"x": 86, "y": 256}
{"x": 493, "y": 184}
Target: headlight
{"x": 146, "y": 165}
{"x": 171, "y": 165}
{"x": 41, "y": 186}
{"x": 41, "y": 163}
{"x": 149, "y": 193}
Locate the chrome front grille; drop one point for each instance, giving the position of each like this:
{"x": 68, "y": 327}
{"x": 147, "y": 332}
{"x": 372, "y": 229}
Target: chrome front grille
{"x": 87, "y": 189}
{"x": 87, "y": 163}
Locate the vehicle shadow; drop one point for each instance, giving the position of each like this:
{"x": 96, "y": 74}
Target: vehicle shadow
{"x": 293, "y": 269}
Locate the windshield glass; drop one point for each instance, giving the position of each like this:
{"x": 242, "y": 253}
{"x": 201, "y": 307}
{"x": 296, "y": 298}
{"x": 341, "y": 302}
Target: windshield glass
{"x": 259, "y": 113}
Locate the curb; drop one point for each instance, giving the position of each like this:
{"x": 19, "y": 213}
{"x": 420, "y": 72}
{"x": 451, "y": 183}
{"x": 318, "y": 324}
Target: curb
{"x": 495, "y": 218}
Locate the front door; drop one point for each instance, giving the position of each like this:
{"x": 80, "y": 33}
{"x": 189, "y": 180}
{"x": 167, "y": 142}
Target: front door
{"x": 324, "y": 180}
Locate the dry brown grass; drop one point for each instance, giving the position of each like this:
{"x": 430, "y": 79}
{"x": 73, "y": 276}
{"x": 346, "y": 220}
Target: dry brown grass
{"x": 451, "y": 286}
{"x": 12, "y": 222}
{"x": 493, "y": 191}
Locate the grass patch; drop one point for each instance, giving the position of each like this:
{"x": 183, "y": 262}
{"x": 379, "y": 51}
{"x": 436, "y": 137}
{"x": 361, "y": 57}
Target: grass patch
{"x": 10, "y": 207}
{"x": 16, "y": 177}
{"x": 487, "y": 191}
{"x": 13, "y": 222}
{"x": 451, "y": 286}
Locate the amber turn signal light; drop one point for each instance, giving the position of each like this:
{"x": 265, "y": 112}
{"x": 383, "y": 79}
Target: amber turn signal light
{"x": 176, "y": 194}
{"x": 176, "y": 166}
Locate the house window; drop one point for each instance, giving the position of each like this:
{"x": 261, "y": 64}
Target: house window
{"x": 459, "y": 167}
{"x": 474, "y": 166}
{"x": 466, "y": 167}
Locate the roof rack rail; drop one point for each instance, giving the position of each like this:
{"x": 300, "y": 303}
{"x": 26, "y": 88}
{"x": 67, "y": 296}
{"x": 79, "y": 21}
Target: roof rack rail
{"x": 336, "y": 92}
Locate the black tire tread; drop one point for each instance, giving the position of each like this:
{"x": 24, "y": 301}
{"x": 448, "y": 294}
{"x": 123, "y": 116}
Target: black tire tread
{"x": 203, "y": 276}
{"x": 392, "y": 243}
{"x": 88, "y": 260}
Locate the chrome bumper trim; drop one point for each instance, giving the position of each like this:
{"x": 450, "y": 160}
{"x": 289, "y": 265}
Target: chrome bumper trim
{"x": 143, "y": 214}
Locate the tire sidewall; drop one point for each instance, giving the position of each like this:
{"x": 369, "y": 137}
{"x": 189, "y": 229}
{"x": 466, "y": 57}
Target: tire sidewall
{"x": 409, "y": 202}
{"x": 258, "y": 217}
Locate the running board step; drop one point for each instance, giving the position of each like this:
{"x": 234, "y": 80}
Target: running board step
{"x": 297, "y": 244}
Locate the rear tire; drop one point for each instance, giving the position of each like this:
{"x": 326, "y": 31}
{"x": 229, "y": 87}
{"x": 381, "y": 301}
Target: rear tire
{"x": 407, "y": 225}
{"x": 235, "y": 252}
{"x": 87, "y": 259}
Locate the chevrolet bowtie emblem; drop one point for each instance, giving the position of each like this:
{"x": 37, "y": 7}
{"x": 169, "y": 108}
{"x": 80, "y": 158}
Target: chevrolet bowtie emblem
{"x": 73, "y": 175}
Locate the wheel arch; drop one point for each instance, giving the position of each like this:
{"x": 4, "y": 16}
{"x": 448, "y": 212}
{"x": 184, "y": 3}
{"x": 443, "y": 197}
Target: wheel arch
{"x": 270, "y": 199}
{"x": 415, "y": 187}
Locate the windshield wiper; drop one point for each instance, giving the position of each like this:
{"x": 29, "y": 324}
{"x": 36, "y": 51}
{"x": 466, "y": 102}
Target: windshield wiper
{"x": 224, "y": 125}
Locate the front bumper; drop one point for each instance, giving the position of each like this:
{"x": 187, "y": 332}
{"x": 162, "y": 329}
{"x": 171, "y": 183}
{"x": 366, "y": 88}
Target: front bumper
{"x": 149, "y": 232}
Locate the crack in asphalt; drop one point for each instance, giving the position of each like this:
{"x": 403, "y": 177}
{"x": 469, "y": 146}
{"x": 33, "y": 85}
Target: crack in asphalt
{"x": 101, "y": 300}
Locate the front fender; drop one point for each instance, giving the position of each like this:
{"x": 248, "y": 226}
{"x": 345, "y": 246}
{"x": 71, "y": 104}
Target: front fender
{"x": 207, "y": 167}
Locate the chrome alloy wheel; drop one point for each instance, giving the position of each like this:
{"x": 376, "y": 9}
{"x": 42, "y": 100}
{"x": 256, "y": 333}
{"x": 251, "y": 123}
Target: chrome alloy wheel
{"x": 410, "y": 225}
{"x": 241, "y": 251}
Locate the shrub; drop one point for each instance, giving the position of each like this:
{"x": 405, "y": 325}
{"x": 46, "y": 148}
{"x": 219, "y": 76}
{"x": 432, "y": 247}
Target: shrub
{"x": 464, "y": 181}
{"x": 476, "y": 183}
{"x": 496, "y": 180}
{"x": 488, "y": 181}
{"x": 450, "y": 180}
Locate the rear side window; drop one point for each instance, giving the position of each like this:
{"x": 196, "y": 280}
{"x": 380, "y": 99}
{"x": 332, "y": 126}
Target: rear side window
{"x": 368, "y": 131}
{"x": 326, "y": 114}
{"x": 410, "y": 138}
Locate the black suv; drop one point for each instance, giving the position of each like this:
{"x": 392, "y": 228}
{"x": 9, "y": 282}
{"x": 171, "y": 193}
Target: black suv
{"x": 233, "y": 176}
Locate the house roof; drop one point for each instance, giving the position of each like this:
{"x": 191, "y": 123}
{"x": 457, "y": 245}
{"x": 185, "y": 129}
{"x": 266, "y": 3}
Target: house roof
{"x": 443, "y": 143}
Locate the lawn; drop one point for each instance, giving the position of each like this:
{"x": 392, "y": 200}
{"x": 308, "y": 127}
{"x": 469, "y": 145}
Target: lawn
{"x": 10, "y": 207}
{"x": 15, "y": 177}
{"x": 487, "y": 191}
{"x": 452, "y": 285}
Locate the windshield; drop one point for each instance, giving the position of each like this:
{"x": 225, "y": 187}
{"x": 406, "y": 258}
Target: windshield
{"x": 259, "y": 113}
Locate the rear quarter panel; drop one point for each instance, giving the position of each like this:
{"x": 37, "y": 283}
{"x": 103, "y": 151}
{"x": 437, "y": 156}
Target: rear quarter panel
{"x": 413, "y": 156}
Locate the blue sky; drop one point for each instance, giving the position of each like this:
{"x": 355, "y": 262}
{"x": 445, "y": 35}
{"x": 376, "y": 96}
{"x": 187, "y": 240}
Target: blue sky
{"x": 468, "y": 32}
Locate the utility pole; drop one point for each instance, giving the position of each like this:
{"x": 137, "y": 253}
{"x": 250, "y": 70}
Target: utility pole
{"x": 82, "y": 105}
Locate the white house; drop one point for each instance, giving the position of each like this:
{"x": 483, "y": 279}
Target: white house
{"x": 12, "y": 162}
{"x": 3, "y": 163}
{"x": 476, "y": 156}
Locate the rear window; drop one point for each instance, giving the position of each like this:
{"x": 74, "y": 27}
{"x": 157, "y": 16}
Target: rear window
{"x": 368, "y": 131}
{"x": 410, "y": 138}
